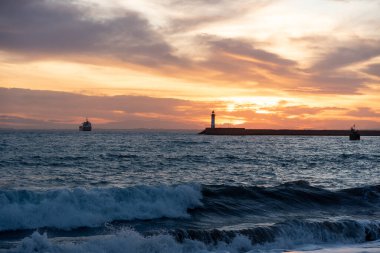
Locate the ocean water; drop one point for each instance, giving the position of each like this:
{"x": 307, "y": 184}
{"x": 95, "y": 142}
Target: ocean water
{"x": 152, "y": 191}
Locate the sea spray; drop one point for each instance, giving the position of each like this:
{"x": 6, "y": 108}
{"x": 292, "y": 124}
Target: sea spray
{"x": 244, "y": 241}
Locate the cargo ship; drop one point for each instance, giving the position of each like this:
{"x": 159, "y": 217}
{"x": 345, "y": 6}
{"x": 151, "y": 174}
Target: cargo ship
{"x": 85, "y": 126}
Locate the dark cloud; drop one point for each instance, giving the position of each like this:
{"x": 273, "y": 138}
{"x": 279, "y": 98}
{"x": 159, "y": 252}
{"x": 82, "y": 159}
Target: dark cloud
{"x": 329, "y": 73}
{"x": 212, "y": 11}
{"x": 338, "y": 82}
{"x": 246, "y": 49}
{"x": 43, "y": 28}
{"x": 238, "y": 60}
{"x": 364, "y": 112}
{"x": 357, "y": 51}
{"x": 14, "y": 120}
{"x": 131, "y": 122}
{"x": 57, "y": 109}
{"x": 373, "y": 69}
{"x": 16, "y": 100}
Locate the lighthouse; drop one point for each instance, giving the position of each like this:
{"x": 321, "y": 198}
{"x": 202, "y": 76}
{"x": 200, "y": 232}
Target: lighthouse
{"x": 213, "y": 119}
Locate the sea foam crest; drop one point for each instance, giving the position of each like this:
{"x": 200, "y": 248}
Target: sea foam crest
{"x": 131, "y": 241}
{"x": 80, "y": 207}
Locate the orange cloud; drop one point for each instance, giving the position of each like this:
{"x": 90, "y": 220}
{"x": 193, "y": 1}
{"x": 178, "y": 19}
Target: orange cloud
{"x": 20, "y": 108}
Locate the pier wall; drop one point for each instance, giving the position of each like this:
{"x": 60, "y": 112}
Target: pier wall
{"x": 243, "y": 131}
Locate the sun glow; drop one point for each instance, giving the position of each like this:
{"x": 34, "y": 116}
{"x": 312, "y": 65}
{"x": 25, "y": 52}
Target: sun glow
{"x": 227, "y": 122}
{"x": 260, "y": 101}
{"x": 263, "y": 111}
{"x": 230, "y": 107}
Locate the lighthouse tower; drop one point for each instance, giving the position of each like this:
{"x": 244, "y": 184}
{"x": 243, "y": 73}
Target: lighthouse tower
{"x": 213, "y": 119}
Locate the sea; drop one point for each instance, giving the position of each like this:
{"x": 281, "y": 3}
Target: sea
{"x": 155, "y": 191}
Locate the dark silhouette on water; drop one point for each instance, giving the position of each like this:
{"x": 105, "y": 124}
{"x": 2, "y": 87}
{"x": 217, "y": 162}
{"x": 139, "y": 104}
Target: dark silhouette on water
{"x": 86, "y": 126}
{"x": 354, "y": 134}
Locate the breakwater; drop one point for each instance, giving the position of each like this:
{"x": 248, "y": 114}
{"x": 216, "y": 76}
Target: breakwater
{"x": 243, "y": 131}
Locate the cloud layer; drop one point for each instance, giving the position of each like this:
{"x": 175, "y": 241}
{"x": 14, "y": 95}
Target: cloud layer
{"x": 75, "y": 30}
{"x": 52, "y": 29}
{"x": 21, "y": 108}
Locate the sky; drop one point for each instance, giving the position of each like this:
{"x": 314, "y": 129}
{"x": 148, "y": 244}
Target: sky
{"x": 167, "y": 64}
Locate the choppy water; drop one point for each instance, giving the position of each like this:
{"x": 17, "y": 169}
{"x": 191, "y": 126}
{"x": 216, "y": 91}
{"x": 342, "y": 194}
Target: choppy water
{"x": 128, "y": 191}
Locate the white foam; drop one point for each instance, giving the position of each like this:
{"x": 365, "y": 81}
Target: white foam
{"x": 128, "y": 241}
{"x": 80, "y": 207}
{"x": 370, "y": 247}
{"x": 131, "y": 242}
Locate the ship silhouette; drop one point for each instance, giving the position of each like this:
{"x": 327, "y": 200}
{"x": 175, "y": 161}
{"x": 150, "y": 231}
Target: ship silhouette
{"x": 86, "y": 126}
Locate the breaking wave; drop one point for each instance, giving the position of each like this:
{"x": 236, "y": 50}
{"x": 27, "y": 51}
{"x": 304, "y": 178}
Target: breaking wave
{"x": 72, "y": 208}
{"x": 296, "y": 196}
{"x": 290, "y": 233}
{"x": 276, "y": 238}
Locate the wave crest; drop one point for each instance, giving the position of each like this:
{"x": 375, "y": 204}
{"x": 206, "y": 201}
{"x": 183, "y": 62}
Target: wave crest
{"x": 66, "y": 209}
{"x": 277, "y": 238}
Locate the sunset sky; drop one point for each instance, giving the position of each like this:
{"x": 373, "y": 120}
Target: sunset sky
{"x": 305, "y": 64}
